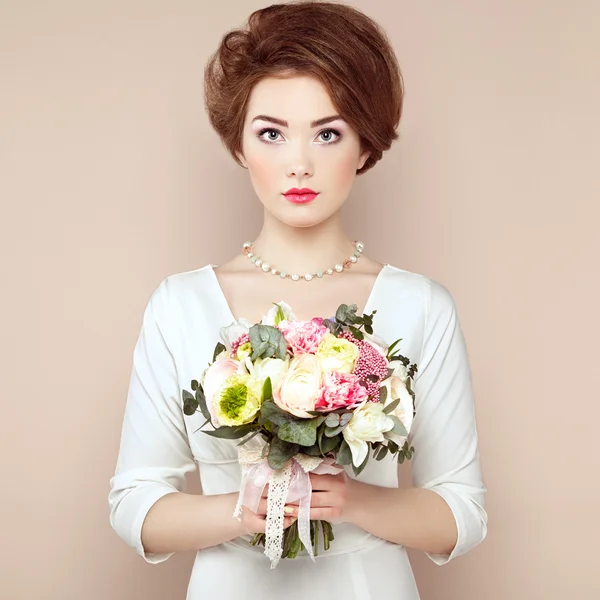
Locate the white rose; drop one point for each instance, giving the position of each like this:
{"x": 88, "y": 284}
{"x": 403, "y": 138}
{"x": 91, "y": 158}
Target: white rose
{"x": 272, "y": 318}
{"x": 368, "y": 424}
{"x": 232, "y": 332}
{"x": 396, "y": 389}
{"x": 400, "y": 370}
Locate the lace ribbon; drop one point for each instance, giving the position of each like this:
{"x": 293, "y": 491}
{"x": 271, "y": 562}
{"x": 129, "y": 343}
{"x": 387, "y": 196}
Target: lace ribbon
{"x": 290, "y": 484}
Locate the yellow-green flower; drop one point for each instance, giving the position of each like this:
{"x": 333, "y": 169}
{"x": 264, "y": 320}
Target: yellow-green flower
{"x": 238, "y": 400}
{"x": 337, "y": 354}
{"x": 243, "y": 351}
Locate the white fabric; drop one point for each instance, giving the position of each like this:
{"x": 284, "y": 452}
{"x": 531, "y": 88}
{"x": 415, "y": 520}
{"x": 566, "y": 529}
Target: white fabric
{"x": 180, "y": 328}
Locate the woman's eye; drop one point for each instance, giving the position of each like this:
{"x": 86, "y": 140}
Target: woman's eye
{"x": 271, "y": 135}
{"x": 328, "y": 135}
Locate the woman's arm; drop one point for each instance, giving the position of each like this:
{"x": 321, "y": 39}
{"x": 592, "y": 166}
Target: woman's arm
{"x": 443, "y": 514}
{"x": 180, "y": 522}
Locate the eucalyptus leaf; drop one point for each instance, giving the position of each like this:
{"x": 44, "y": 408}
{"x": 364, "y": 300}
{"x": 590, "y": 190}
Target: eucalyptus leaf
{"x": 329, "y": 444}
{"x": 201, "y": 400}
{"x": 383, "y": 450}
{"x": 302, "y": 431}
{"x": 357, "y": 333}
{"x": 333, "y": 431}
{"x": 346, "y": 418}
{"x": 399, "y": 426}
{"x": 280, "y": 452}
{"x": 269, "y": 411}
{"x": 344, "y": 455}
{"x": 190, "y": 403}
{"x": 332, "y": 420}
{"x": 382, "y": 394}
{"x": 391, "y": 406}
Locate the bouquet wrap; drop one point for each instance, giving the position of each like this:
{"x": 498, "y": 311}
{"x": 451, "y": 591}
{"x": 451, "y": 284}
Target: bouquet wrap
{"x": 290, "y": 484}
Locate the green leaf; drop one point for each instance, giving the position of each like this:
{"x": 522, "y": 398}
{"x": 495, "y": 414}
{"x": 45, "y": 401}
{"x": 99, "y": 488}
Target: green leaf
{"x": 203, "y": 424}
{"x": 190, "y": 404}
{"x": 279, "y": 316}
{"x": 201, "y": 400}
{"x": 218, "y": 349}
{"x": 399, "y": 427}
{"x": 392, "y": 346}
{"x": 269, "y": 411}
{"x": 357, "y": 333}
{"x": 333, "y": 431}
{"x": 346, "y": 418}
{"x": 302, "y": 431}
{"x": 329, "y": 444}
{"x": 391, "y": 406}
{"x": 358, "y": 470}
{"x": 231, "y": 433}
{"x": 194, "y": 385}
{"x": 332, "y": 420}
{"x": 242, "y": 442}
{"x": 382, "y": 394}
{"x": 314, "y": 450}
{"x": 280, "y": 452}
{"x": 380, "y": 454}
{"x": 267, "y": 391}
{"x": 266, "y": 341}
{"x": 344, "y": 455}
{"x": 314, "y": 527}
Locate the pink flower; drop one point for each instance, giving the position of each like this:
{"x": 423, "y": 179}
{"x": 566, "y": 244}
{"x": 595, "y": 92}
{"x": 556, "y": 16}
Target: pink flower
{"x": 303, "y": 337}
{"x": 214, "y": 377}
{"x": 340, "y": 390}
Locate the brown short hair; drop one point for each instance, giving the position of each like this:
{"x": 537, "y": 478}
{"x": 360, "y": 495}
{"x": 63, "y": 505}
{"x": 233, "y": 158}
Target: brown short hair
{"x": 346, "y": 50}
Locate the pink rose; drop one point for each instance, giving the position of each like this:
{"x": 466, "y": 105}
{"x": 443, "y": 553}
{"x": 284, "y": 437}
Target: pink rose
{"x": 340, "y": 390}
{"x": 214, "y": 378}
{"x": 303, "y": 337}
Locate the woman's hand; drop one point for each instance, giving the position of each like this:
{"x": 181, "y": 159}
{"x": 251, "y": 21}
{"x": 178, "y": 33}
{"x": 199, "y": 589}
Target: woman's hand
{"x": 331, "y": 499}
{"x": 255, "y": 522}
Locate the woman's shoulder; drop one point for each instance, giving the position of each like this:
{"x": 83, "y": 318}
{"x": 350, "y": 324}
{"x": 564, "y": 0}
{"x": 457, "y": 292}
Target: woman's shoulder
{"x": 179, "y": 289}
{"x": 430, "y": 290}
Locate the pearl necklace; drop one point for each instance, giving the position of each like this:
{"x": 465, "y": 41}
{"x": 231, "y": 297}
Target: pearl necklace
{"x": 266, "y": 267}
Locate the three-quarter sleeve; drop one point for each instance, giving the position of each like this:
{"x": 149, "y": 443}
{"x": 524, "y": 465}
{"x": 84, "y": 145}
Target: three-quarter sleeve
{"x": 154, "y": 454}
{"x": 444, "y": 433}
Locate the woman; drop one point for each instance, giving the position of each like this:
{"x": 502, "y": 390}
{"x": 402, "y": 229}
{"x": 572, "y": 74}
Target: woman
{"x": 305, "y": 98}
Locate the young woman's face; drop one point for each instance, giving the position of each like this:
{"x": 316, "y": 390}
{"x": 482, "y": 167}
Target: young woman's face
{"x": 290, "y": 142}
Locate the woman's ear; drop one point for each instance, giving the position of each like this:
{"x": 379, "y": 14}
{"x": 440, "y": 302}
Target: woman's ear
{"x": 363, "y": 159}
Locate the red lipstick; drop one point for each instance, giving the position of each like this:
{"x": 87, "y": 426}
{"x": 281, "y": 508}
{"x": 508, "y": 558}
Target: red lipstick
{"x": 300, "y": 196}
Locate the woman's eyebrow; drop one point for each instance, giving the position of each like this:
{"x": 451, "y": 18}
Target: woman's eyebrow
{"x": 283, "y": 123}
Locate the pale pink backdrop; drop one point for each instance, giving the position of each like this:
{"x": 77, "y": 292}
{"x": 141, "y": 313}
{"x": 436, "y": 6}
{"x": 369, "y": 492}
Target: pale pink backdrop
{"x": 111, "y": 178}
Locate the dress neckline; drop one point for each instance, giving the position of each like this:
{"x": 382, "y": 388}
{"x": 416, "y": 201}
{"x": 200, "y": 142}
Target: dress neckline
{"x": 223, "y": 299}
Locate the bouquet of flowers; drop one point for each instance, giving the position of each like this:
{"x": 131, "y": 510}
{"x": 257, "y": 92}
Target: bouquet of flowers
{"x": 321, "y": 394}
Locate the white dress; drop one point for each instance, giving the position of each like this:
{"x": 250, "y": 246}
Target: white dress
{"x": 158, "y": 444}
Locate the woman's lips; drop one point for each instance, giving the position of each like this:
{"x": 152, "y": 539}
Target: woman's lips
{"x": 301, "y": 198}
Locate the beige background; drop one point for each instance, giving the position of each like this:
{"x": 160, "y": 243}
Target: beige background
{"x": 110, "y": 179}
